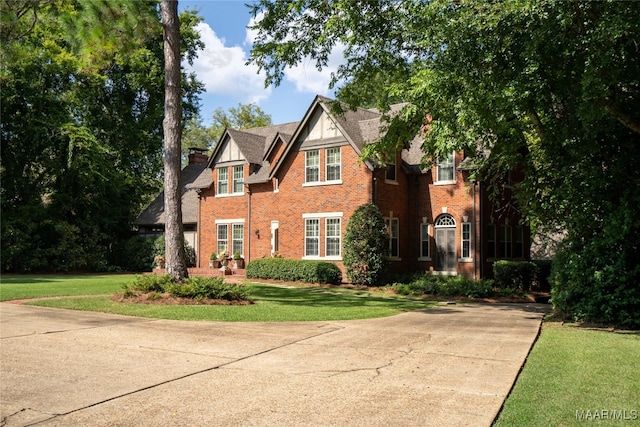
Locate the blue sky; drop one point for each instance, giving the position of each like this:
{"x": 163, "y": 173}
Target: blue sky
{"x": 228, "y": 81}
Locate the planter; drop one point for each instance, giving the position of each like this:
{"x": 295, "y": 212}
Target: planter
{"x": 215, "y": 264}
{"x": 238, "y": 264}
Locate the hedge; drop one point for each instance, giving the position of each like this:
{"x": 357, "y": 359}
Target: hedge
{"x": 514, "y": 274}
{"x": 294, "y": 270}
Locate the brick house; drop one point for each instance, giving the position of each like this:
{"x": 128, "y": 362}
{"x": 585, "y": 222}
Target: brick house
{"x": 292, "y": 188}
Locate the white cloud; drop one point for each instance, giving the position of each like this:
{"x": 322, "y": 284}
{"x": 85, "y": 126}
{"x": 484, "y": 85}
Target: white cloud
{"x": 305, "y": 76}
{"x": 222, "y": 69}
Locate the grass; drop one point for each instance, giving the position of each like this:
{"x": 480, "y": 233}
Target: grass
{"x": 13, "y": 287}
{"x": 572, "y": 373}
{"x": 272, "y": 304}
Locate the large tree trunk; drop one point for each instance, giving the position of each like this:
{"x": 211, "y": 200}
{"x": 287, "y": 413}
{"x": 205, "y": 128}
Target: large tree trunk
{"x": 174, "y": 237}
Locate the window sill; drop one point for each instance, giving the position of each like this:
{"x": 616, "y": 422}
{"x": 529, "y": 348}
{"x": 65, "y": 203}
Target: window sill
{"x": 444, "y": 182}
{"x": 444, "y": 273}
{"x": 394, "y": 258}
{"x": 229, "y": 195}
{"x": 465, "y": 259}
{"x": 320, "y": 258}
{"x": 321, "y": 183}
{"x": 428, "y": 258}
{"x": 391, "y": 182}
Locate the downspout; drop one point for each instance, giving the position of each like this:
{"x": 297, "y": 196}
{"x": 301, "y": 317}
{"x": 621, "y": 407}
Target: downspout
{"x": 476, "y": 232}
{"x": 248, "y": 254}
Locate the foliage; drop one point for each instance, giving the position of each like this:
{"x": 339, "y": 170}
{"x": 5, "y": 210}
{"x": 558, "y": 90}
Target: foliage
{"x": 514, "y": 274}
{"x": 428, "y": 284}
{"x": 366, "y": 246}
{"x": 294, "y": 270}
{"x": 244, "y": 116}
{"x": 194, "y": 288}
{"x": 543, "y": 271}
{"x": 550, "y": 87}
{"x": 81, "y": 129}
{"x": 590, "y": 282}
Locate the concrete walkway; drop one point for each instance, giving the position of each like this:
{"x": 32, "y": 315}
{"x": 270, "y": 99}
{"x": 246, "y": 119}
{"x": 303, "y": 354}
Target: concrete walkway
{"x": 452, "y": 365}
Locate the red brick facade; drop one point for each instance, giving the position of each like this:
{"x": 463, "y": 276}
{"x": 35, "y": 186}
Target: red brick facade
{"x": 439, "y": 219}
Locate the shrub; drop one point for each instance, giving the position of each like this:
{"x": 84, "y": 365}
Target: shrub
{"x": 294, "y": 270}
{"x": 514, "y": 274}
{"x": 427, "y": 284}
{"x": 203, "y": 287}
{"x": 543, "y": 271}
{"x": 149, "y": 283}
{"x": 366, "y": 246}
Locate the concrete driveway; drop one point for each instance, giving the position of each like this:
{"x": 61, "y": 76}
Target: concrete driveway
{"x": 451, "y": 365}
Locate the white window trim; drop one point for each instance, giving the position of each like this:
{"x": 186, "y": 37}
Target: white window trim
{"x": 391, "y": 181}
{"x": 462, "y": 240}
{"x": 307, "y": 167}
{"x": 447, "y": 181}
{"x": 234, "y": 181}
{"x": 320, "y": 216}
{"x": 219, "y": 181}
{"x": 394, "y": 257}
{"x": 320, "y": 183}
{"x": 326, "y": 238}
{"x": 327, "y": 164}
{"x": 428, "y": 257}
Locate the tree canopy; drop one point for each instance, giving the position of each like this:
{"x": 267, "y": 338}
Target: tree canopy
{"x": 82, "y": 107}
{"x": 552, "y": 87}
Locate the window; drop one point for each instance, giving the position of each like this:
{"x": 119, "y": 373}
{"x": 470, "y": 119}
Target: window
{"x": 238, "y": 179}
{"x": 491, "y": 241}
{"x": 424, "y": 241}
{"x": 238, "y": 239}
{"x": 223, "y": 237}
{"x": 445, "y": 239}
{"x": 518, "y": 243}
{"x": 390, "y": 174}
{"x": 275, "y": 237}
{"x": 332, "y": 237}
{"x": 393, "y": 230}
{"x": 223, "y": 180}
{"x": 312, "y": 166}
{"x": 445, "y": 169}
{"x": 312, "y": 237}
{"x": 333, "y": 164}
{"x": 505, "y": 241}
{"x": 466, "y": 240}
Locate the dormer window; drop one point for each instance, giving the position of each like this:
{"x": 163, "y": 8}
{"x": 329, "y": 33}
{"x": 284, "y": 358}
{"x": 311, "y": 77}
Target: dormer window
{"x": 391, "y": 172}
{"x": 238, "y": 179}
{"x": 445, "y": 170}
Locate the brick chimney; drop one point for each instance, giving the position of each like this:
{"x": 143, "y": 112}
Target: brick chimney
{"x": 198, "y": 156}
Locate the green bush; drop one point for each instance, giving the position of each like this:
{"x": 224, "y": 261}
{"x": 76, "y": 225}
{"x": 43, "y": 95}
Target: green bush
{"x": 214, "y": 288}
{"x": 427, "y": 284}
{"x": 194, "y": 287}
{"x": 543, "y": 272}
{"x": 514, "y": 274}
{"x": 366, "y": 246}
{"x": 294, "y": 270}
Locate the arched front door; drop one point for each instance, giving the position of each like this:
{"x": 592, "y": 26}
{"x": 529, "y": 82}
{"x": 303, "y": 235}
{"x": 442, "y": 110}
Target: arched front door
{"x": 445, "y": 236}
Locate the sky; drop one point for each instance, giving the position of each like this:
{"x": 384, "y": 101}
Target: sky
{"x": 229, "y": 81}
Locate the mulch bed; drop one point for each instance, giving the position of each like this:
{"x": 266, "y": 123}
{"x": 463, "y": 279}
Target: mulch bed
{"x": 168, "y": 299}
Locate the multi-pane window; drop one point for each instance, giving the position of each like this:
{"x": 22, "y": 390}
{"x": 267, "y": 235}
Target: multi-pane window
{"x": 390, "y": 173}
{"x": 312, "y": 166}
{"x": 445, "y": 169}
{"x": 505, "y": 241}
{"x": 223, "y": 237}
{"x": 394, "y": 236}
{"x": 238, "y": 238}
{"x": 466, "y": 240}
{"x": 238, "y": 179}
{"x": 332, "y": 237}
{"x": 223, "y": 180}
{"x": 333, "y": 164}
{"x": 312, "y": 237}
{"x": 518, "y": 243}
{"x": 424, "y": 241}
{"x": 491, "y": 241}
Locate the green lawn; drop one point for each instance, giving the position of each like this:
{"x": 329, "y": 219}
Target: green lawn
{"x": 573, "y": 376}
{"x": 272, "y": 304}
{"x": 14, "y": 287}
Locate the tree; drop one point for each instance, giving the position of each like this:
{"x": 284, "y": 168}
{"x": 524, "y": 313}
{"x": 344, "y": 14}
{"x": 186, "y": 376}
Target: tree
{"x": 551, "y": 87}
{"x": 245, "y": 116}
{"x": 366, "y": 246}
{"x": 81, "y": 128}
{"x": 176, "y": 265}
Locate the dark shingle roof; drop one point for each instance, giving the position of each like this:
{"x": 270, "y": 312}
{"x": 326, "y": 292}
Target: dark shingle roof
{"x": 192, "y": 177}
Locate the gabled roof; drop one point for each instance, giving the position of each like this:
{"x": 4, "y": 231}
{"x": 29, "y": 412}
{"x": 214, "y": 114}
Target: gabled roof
{"x": 192, "y": 177}
{"x": 253, "y": 143}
